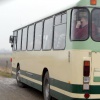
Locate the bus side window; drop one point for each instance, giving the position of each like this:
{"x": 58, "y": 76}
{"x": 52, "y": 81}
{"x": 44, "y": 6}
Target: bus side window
{"x": 48, "y": 33}
{"x": 79, "y": 24}
{"x": 60, "y": 33}
{"x": 30, "y": 37}
{"x": 15, "y": 41}
{"x": 19, "y": 37}
{"x": 24, "y": 38}
{"x": 38, "y": 36}
{"x": 96, "y": 24}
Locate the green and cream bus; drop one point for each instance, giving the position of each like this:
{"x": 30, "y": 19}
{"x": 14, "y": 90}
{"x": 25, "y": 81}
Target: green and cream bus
{"x": 60, "y": 55}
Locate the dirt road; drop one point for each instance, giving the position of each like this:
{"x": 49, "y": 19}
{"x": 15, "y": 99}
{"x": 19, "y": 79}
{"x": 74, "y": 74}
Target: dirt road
{"x": 10, "y": 91}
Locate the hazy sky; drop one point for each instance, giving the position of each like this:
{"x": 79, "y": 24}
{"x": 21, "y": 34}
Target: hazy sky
{"x": 17, "y": 13}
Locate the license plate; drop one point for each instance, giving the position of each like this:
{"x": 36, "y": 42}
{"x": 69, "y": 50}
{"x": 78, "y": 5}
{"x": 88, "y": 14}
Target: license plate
{"x": 86, "y": 79}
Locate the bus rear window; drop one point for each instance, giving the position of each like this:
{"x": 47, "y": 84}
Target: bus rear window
{"x": 79, "y": 24}
{"x": 96, "y": 25}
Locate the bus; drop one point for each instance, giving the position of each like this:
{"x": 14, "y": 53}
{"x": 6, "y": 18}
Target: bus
{"x": 60, "y": 54}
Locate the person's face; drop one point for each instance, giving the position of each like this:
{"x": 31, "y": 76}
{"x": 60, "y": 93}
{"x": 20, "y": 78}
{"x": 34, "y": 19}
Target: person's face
{"x": 83, "y": 21}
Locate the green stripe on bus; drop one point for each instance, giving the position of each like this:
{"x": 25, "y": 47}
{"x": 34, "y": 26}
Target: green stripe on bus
{"x": 96, "y": 79}
{"x": 29, "y": 74}
{"x": 66, "y": 86}
{"x": 32, "y": 75}
{"x": 61, "y": 96}
{"x": 32, "y": 84}
{"x": 53, "y": 93}
{"x": 73, "y": 88}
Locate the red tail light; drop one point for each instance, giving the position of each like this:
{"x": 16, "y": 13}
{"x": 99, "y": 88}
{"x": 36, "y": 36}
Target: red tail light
{"x": 87, "y": 95}
{"x": 10, "y": 59}
{"x": 86, "y": 69}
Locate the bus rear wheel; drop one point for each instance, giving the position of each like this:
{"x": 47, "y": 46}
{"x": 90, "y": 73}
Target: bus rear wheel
{"x": 46, "y": 87}
{"x": 19, "y": 83}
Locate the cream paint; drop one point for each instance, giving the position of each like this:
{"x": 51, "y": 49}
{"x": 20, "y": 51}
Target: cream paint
{"x": 57, "y": 63}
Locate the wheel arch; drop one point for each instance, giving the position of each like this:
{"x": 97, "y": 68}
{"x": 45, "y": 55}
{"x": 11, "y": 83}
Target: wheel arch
{"x": 18, "y": 66}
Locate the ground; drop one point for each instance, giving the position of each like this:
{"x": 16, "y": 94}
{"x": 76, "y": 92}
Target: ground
{"x": 10, "y": 91}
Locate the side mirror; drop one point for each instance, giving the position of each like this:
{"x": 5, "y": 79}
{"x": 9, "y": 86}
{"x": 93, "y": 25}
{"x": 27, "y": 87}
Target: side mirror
{"x": 11, "y": 39}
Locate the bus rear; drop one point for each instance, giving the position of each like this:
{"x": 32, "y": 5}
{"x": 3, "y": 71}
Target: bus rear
{"x": 85, "y": 37}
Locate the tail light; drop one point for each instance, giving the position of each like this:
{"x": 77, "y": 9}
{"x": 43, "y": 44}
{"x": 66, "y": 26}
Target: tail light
{"x": 86, "y": 74}
{"x": 10, "y": 59}
{"x": 87, "y": 95}
{"x": 86, "y": 69}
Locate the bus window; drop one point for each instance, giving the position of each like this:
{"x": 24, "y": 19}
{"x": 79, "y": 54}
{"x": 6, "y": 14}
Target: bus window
{"x": 19, "y": 39}
{"x": 79, "y": 24}
{"x": 38, "y": 36}
{"x": 96, "y": 25}
{"x": 15, "y": 40}
{"x": 48, "y": 32}
{"x": 30, "y": 37}
{"x": 24, "y": 38}
{"x": 59, "y": 33}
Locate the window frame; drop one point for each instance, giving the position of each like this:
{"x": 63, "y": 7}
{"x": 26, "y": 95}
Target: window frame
{"x": 64, "y": 12}
{"x": 33, "y": 36}
{"x": 41, "y": 36}
{"x": 89, "y": 22}
{"x": 21, "y": 39}
{"x": 13, "y": 49}
{"x": 42, "y": 20}
{"x": 26, "y": 38}
{"x": 52, "y": 33}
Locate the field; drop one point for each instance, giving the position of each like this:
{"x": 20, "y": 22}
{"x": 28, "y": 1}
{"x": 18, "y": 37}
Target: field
{"x": 5, "y": 64}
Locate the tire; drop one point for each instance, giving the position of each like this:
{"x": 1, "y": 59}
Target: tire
{"x": 19, "y": 83}
{"x": 46, "y": 87}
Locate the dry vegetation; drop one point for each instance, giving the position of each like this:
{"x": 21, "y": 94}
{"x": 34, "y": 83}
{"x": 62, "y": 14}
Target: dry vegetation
{"x": 4, "y": 74}
{"x": 5, "y": 65}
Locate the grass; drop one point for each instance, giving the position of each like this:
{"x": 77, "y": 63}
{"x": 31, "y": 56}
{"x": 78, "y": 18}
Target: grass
{"x": 5, "y": 74}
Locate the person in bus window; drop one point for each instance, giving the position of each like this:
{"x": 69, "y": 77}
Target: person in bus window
{"x": 96, "y": 35}
{"x": 95, "y": 30}
{"x": 81, "y": 29}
